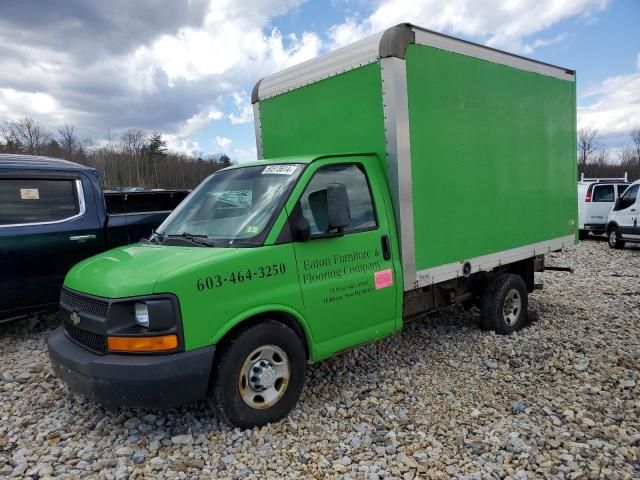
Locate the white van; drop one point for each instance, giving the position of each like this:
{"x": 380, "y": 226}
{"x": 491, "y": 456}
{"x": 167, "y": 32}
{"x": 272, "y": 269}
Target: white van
{"x": 596, "y": 196}
{"x": 623, "y": 223}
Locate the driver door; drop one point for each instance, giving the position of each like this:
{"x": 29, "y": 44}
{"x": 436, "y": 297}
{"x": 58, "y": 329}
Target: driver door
{"x": 628, "y": 214}
{"x": 347, "y": 278}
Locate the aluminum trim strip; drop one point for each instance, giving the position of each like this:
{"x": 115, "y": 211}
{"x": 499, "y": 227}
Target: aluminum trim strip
{"x": 367, "y": 50}
{"x": 396, "y": 124}
{"x": 449, "y": 271}
{"x": 450, "y": 44}
{"x": 257, "y": 125}
{"x": 138, "y": 213}
{"x": 358, "y": 54}
{"x": 82, "y": 209}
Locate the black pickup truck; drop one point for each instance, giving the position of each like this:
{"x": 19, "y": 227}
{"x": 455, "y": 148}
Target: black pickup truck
{"x": 53, "y": 213}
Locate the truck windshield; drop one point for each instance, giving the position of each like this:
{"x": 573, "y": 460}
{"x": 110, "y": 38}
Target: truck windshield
{"x": 231, "y": 207}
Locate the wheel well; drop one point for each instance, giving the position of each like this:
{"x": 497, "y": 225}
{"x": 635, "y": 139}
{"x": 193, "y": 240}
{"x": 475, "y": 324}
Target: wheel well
{"x": 280, "y": 317}
{"x": 525, "y": 269}
{"x": 611, "y": 225}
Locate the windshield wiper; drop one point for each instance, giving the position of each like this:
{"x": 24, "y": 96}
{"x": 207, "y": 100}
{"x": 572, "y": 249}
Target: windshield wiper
{"x": 156, "y": 237}
{"x": 196, "y": 238}
{"x": 241, "y": 242}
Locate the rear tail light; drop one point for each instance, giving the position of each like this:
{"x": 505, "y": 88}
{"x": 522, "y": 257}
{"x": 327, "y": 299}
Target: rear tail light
{"x": 588, "y": 197}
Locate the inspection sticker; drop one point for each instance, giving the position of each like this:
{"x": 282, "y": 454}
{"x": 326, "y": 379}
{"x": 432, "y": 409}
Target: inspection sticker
{"x": 383, "y": 278}
{"x": 29, "y": 194}
{"x": 279, "y": 169}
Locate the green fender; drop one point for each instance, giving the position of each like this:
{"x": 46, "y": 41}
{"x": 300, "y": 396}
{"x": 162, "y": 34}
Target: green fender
{"x": 261, "y": 310}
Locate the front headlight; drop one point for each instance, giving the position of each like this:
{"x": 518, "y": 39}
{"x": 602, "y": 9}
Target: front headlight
{"x": 142, "y": 314}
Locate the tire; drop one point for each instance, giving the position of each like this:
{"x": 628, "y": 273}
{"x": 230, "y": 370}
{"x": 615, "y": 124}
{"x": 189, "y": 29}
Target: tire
{"x": 244, "y": 399}
{"x": 506, "y": 292}
{"x": 613, "y": 239}
{"x": 583, "y": 234}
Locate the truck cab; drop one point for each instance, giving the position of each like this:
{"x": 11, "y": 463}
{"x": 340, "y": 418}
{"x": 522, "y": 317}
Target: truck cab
{"x": 623, "y": 222}
{"x": 307, "y": 242}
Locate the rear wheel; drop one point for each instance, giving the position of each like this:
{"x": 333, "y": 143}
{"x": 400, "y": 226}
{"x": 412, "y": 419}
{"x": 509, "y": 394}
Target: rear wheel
{"x": 613, "y": 239}
{"x": 258, "y": 375}
{"x": 583, "y": 234}
{"x": 504, "y": 304}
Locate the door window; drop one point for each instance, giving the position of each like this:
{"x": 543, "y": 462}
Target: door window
{"x": 24, "y": 201}
{"x": 622, "y": 188}
{"x": 629, "y": 197}
{"x": 360, "y": 203}
{"x": 603, "y": 193}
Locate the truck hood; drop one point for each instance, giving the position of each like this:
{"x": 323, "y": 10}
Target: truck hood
{"x": 134, "y": 270}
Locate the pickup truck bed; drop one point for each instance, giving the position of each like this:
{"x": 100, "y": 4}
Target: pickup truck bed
{"x": 53, "y": 213}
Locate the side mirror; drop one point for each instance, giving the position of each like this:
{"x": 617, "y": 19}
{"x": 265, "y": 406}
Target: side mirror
{"x": 338, "y": 206}
{"x": 300, "y": 225}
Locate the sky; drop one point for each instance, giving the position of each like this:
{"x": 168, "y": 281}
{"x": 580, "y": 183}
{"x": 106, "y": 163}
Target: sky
{"x": 186, "y": 68}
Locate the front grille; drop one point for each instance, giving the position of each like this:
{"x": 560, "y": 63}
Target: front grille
{"x": 91, "y": 340}
{"x": 76, "y": 302}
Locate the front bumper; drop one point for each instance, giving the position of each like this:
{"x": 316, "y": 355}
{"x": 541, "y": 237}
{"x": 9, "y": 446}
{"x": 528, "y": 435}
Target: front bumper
{"x": 150, "y": 381}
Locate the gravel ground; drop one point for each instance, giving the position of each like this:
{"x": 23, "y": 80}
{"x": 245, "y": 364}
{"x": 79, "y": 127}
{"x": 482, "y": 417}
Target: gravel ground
{"x": 561, "y": 398}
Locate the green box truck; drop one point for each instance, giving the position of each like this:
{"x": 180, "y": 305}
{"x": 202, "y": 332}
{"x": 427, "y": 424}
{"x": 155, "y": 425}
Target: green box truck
{"x": 403, "y": 173}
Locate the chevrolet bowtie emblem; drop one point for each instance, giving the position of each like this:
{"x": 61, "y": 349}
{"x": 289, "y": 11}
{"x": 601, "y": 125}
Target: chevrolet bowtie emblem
{"x": 75, "y": 318}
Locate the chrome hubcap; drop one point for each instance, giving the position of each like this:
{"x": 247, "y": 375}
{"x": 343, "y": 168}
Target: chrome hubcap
{"x": 512, "y": 307}
{"x": 264, "y": 377}
{"x": 613, "y": 237}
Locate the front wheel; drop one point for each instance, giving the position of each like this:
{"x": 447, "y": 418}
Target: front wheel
{"x": 504, "y": 304}
{"x": 613, "y": 239}
{"x": 258, "y": 375}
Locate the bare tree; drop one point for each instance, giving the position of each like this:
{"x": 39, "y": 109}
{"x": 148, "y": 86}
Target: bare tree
{"x": 31, "y": 135}
{"x": 635, "y": 136}
{"x": 68, "y": 141}
{"x": 626, "y": 156}
{"x": 601, "y": 158}
{"x": 8, "y": 142}
{"x": 133, "y": 140}
{"x": 132, "y": 158}
{"x": 588, "y": 143}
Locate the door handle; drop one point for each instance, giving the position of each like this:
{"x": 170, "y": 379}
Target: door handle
{"x": 386, "y": 247}
{"x": 82, "y": 238}
{"x": 632, "y": 210}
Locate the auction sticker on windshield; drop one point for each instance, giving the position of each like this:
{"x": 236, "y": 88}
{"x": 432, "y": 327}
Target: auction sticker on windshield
{"x": 279, "y": 170}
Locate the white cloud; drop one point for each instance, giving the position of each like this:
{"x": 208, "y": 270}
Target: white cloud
{"x": 223, "y": 142}
{"x": 175, "y": 80}
{"x": 242, "y": 155}
{"x": 181, "y": 144}
{"x": 545, "y": 42}
{"x": 245, "y": 110}
{"x": 200, "y": 120}
{"x": 232, "y": 38}
{"x": 615, "y": 106}
{"x": 16, "y": 104}
{"x": 38, "y": 102}
{"x": 499, "y": 23}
